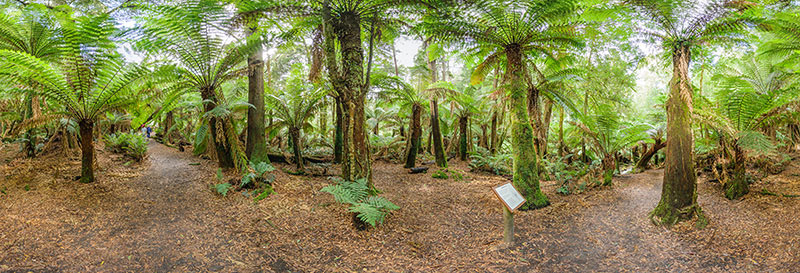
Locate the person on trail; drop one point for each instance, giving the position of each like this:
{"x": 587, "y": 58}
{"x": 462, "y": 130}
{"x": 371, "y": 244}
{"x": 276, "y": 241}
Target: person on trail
{"x": 149, "y": 130}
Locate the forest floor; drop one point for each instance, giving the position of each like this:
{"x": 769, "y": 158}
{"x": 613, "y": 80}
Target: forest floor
{"x": 161, "y": 216}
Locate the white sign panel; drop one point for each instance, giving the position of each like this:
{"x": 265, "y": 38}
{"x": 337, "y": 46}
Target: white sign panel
{"x": 509, "y": 195}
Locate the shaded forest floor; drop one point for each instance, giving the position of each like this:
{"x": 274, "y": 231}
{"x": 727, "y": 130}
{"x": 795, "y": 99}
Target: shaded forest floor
{"x": 162, "y": 216}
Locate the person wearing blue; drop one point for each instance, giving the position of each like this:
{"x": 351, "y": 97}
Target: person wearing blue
{"x": 149, "y": 130}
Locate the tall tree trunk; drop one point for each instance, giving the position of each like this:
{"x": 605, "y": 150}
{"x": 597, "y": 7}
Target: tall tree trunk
{"x": 462, "y": 125}
{"x": 416, "y": 133}
{"x": 338, "y": 132}
{"x": 297, "y": 148}
{"x": 493, "y": 135}
{"x": 561, "y": 150}
{"x": 29, "y": 146}
{"x": 737, "y": 187}
{"x": 86, "y": 128}
{"x": 526, "y": 177}
{"x": 218, "y": 129}
{"x": 436, "y": 134}
{"x": 535, "y": 112}
{"x": 323, "y": 117}
{"x": 169, "y": 121}
{"x": 256, "y": 143}
{"x": 544, "y": 130}
{"x": 679, "y": 192}
{"x": 356, "y": 163}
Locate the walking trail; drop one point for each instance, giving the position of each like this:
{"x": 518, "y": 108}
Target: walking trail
{"x": 162, "y": 217}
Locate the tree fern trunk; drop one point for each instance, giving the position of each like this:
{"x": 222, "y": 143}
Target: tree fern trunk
{"x": 416, "y": 133}
{"x": 526, "y": 177}
{"x": 297, "y": 148}
{"x": 737, "y": 187}
{"x": 86, "y": 127}
{"x": 679, "y": 192}
{"x": 462, "y": 125}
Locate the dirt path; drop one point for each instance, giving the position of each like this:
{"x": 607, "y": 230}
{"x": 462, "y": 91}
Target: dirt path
{"x": 160, "y": 221}
{"x": 162, "y": 217}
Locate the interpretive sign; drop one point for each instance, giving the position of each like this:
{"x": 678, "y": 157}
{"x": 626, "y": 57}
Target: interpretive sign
{"x": 509, "y": 195}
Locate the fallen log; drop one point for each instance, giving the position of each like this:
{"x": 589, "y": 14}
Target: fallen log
{"x": 418, "y": 170}
{"x": 283, "y": 159}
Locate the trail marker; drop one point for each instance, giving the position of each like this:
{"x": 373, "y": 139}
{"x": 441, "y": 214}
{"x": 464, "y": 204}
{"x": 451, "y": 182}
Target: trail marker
{"x": 512, "y": 200}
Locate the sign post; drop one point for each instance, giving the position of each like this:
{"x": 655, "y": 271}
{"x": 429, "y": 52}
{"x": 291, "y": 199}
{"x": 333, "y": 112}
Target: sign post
{"x": 512, "y": 200}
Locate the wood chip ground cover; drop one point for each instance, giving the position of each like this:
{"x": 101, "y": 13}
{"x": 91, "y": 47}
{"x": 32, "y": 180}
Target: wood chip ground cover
{"x": 162, "y": 216}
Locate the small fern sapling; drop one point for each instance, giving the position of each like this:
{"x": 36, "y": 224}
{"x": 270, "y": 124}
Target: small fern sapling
{"x": 255, "y": 178}
{"x": 369, "y": 209}
{"x": 221, "y": 188}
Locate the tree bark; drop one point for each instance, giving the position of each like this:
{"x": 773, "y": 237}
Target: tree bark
{"x": 218, "y": 129}
{"x": 356, "y": 164}
{"x": 644, "y": 160}
{"x": 493, "y": 135}
{"x": 462, "y": 124}
{"x": 526, "y": 177}
{"x": 338, "y": 133}
{"x": 737, "y": 187}
{"x": 436, "y": 135}
{"x": 297, "y": 148}
{"x": 86, "y": 128}
{"x": 679, "y": 192}
{"x": 544, "y": 130}
{"x": 416, "y": 134}
{"x": 256, "y": 143}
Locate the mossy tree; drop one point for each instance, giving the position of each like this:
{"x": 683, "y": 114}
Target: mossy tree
{"x": 682, "y": 27}
{"x": 513, "y": 32}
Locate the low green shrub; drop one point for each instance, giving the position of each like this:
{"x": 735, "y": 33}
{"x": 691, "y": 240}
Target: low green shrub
{"x": 130, "y": 145}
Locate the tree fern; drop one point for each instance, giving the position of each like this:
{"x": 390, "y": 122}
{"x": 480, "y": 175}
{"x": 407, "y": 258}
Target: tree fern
{"x": 368, "y": 208}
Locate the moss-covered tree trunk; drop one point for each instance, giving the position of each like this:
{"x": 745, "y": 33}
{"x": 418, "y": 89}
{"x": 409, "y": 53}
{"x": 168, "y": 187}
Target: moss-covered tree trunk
{"x": 256, "y": 143}
{"x": 218, "y": 128}
{"x": 737, "y": 187}
{"x": 356, "y": 158}
{"x": 416, "y": 133}
{"x": 679, "y": 192}
{"x": 86, "y": 128}
{"x": 526, "y": 177}
{"x": 462, "y": 125}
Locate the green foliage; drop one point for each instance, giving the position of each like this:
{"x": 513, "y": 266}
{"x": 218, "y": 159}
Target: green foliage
{"x": 256, "y": 174}
{"x": 131, "y": 145}
{"x": 264, "y": 194}
{"x": 368, "y": 208}
{"x": 440, "y": 174}
{"x": 483, "y": 160}
{"x": 222, "y": 189}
